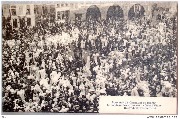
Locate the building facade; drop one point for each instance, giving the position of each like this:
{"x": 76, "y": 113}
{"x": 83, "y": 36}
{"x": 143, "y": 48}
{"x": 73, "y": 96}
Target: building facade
{"x": 44, "y": 12}
{"x": 31, "y": 14}
{"x": 79, "y": 10}
{"x": 64, "y": 11}
{"x": 19, "y": 14}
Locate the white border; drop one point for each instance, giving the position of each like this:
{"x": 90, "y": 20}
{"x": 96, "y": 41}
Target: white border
{"x": 83, "y": 116}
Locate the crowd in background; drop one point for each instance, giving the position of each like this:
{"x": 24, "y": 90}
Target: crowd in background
{"x": 63, "y": 67}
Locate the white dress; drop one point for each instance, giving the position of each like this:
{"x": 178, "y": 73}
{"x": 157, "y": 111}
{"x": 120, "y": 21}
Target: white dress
{"x": 42, "y": 73}
{"x": 21, "y": 94}
{"x": 44, "y": 82}
{"x": 88, "y": 62}
{"x": 54, "y": 77}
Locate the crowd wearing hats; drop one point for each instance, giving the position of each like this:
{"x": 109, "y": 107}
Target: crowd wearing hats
{"x": 65, "y": 67}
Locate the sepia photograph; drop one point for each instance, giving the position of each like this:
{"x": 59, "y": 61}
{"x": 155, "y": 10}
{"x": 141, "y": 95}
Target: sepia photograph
{"x": 89, "y": 57}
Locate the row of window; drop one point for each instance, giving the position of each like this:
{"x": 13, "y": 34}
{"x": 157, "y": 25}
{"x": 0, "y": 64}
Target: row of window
{"x": 65, "y": 5}
{"x": 28, "y": 11}
{"x": 44, "y": 9}
{"x": 62, "y": 15}
{"x": 14, "y": 12}
{"x": 21, "y": 22}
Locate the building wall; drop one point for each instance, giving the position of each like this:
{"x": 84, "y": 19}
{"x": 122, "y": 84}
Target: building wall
{"x": 40, "y": 14}
{"x": 5, "y": 10}
{"x": 20, "y": 13}
{"x": 67, "y": 6}
{"x": 79, "y": 8}
{"x": 103, "y": 9}
{"x": 82, "y": 8}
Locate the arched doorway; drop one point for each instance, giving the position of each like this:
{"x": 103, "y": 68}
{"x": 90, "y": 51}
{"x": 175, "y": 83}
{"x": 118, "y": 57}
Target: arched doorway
{"x": 136, "y": 12}
{"x": 114, "y": 12}
{"x": 93, "y": 13}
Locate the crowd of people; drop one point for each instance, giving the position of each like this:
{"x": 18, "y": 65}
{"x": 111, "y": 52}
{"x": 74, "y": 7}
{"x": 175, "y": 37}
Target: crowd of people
{"x": 63, "y": 67}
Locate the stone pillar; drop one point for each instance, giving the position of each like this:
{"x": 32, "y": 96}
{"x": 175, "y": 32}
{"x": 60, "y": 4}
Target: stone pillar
{"x": 55, "y": 14}
{"x": 33, "y": 20}
{"x": 11, "y": 22}
{"x": 103, "y": 11}
{"x": 126, "y": 9}
{"x": 32, "y": 15}
{"x": 32, "y": 9}
{"x": 25, "y": 21}
{"x": 18, "y": 22}
{"x": 24, "y": 10}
